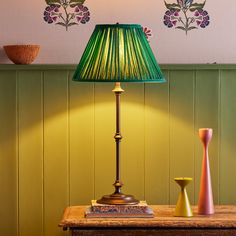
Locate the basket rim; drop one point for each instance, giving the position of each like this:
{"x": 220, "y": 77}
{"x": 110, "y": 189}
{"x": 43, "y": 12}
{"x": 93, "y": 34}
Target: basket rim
{"x": 21, "y": 45}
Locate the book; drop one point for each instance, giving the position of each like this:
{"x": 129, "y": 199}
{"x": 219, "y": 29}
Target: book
{"x": 140, "y": 210}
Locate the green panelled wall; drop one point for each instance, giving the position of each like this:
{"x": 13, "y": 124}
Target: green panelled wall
{"x": 57, "y": 147}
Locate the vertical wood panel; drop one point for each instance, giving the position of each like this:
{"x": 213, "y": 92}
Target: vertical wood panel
{"x": 207, "y": 116}
{"x": 81, "y": 142}
{"x": 8, "y": 154}
{"x": 157, "y": 142}
{"x": 132, "y": 144}
{"x": 228, "y": 137}
{"x": 30, "y": 154}
{"x": 70, "y": 157}
{"x": 181, "y": 131}
{"x": 56, "y": 170}
{"x": 104, "y": 141}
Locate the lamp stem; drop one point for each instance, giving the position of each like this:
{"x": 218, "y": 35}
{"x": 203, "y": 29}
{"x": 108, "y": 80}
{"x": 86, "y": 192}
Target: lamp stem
{"x": 118, "y": 91}
{"x": 118, "y": 198}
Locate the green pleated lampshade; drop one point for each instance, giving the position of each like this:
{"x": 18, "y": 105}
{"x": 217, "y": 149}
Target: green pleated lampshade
{"x": 118, "y": 53}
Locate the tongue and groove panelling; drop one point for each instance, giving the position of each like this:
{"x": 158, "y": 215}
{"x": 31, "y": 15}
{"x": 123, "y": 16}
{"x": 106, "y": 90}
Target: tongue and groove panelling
{"x": 57, "y": 147}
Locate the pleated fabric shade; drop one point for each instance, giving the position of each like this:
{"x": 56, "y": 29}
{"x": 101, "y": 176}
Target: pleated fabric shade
{"x": 118, "y": 53}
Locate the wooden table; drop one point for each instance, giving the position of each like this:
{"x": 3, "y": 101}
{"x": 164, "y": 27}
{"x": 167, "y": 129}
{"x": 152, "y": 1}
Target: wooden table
{"x": 222, "y": 223}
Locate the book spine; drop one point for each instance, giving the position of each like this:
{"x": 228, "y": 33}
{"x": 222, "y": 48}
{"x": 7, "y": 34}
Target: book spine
{"x": 121, "y": 210}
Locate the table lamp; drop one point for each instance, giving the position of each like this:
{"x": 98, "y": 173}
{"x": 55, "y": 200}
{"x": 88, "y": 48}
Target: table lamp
{"x": 118, "y": 53}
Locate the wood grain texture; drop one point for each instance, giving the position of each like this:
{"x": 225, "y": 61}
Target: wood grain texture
{"x": 155, "y": 232}
{"x": 224, "y": 218}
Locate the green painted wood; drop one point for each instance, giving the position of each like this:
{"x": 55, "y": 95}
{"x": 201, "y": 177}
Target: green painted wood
{"x": 30, "y": 153}
{"x": 157, "y": 143}
{"x": 207, "y": 116}
{"x": 56, "y": 156}
{"x": 228, "y": 137}
{"x": 162, "y": 119}
{"x": 181, "y": 131}
{"x": 68, "y": 67}
{"x": 81, "y": 139}
{"x": 8, "y": 155}
{"x": 132, "y": 144}
{"x": 104, "y": 144}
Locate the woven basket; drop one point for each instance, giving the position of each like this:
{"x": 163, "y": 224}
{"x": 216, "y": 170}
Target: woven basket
{"x": 22, "y": 54}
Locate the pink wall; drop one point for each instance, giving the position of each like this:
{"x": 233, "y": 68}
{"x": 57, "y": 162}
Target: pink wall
{"x": 22, "y": 23}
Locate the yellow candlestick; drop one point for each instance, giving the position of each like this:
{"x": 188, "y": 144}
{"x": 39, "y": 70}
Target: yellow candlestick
{"x": 183, "y": 207}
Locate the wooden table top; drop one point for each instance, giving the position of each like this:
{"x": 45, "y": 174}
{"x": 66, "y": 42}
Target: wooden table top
{"x": 224, "y": 217}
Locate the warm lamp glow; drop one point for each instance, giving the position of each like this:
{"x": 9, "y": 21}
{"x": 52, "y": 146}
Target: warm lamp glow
{"x": 118, "y": 53}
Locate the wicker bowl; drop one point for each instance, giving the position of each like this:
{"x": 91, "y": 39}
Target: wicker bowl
{"x": 22, "y": 54}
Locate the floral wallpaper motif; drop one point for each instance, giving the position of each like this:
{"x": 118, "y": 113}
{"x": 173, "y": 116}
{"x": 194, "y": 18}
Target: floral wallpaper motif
{"x": 147, "y": 32}
{"x": 186, "y": 15}
{"x": 66, "y": 13}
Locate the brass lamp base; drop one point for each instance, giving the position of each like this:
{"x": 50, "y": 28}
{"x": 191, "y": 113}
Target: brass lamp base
{"x": 118, "y": 199}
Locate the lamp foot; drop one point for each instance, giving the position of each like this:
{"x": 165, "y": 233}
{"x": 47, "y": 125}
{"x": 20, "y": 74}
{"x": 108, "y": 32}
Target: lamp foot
{"x": 118, "y": 199}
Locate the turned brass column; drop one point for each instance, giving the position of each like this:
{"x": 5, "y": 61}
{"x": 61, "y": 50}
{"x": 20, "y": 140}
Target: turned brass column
{"x": 118, "y": 198}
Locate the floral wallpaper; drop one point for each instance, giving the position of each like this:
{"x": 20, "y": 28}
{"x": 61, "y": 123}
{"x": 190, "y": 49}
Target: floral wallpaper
{"x": 186, "y": 15}
{"x": 147, "y": 32}
{"x": 66, "y": 13}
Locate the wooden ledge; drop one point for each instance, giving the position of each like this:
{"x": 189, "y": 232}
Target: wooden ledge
{"x": 224, "y": 218}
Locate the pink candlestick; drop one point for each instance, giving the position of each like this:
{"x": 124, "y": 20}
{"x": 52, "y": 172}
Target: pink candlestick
{"x": 205, "y": 202}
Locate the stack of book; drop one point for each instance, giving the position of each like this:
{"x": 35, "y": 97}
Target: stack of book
{"x": 140, "y": 210}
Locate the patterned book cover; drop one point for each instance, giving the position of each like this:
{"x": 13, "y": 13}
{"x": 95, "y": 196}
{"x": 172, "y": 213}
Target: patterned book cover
{"x": 141, "y": 207}
{"x": 103, "y": 210}
{"x": 89, "y": 213}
